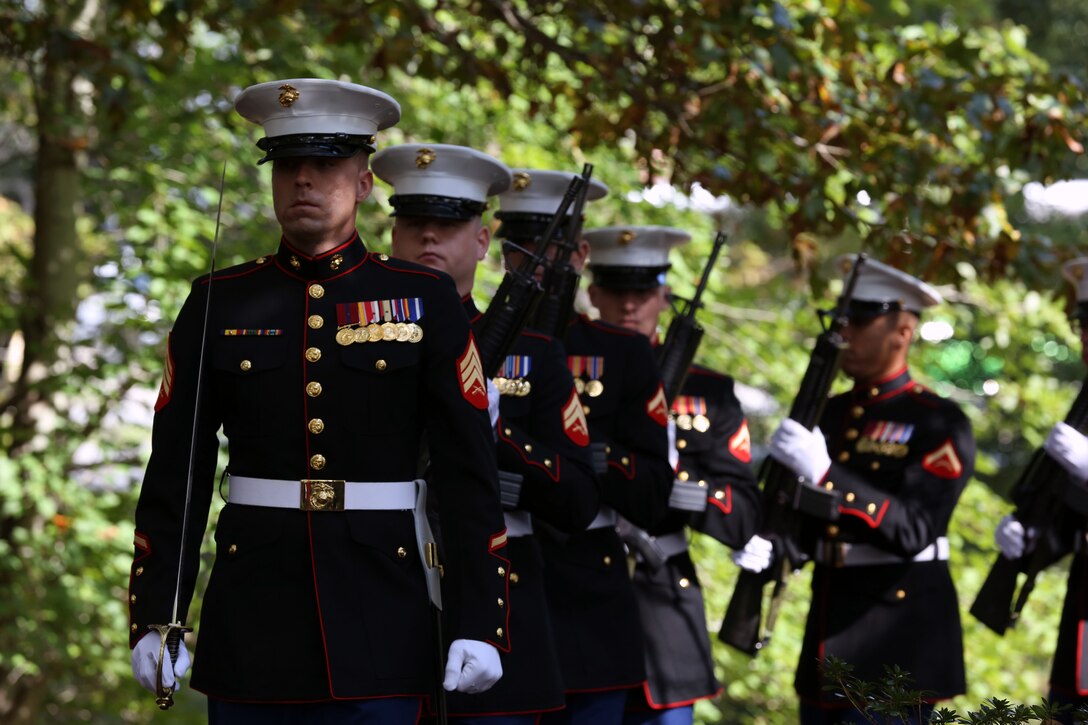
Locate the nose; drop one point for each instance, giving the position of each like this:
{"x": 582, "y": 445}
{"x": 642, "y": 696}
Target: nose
{"x": 304, "y": 172}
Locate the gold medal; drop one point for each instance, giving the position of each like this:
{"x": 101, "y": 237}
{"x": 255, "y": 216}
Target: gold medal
{"x": 594, "y": 388}
{"x": 500, "y": 385}
{"x": 345, "y": 336}
{"x": 389, "y": 331}
{"x": 683, "y": 421}
{"x": 361, "y": 335}
{"x": 580, "y": 385}
{"x": 525, "y": 387}
{"x": 374, "y": 331}
{"x": 402, "y": 332}
{"x": 415, "y": 332}
{"x": 701, "y": 423}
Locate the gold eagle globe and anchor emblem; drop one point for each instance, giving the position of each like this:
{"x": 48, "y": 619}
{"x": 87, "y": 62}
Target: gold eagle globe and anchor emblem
{"x": 288, "y": 95}
{"x": 626, "y": 237}
{"x": 321, "y": 495}
{"x": 521, "y": 181}
{"x": 425, "y": 157}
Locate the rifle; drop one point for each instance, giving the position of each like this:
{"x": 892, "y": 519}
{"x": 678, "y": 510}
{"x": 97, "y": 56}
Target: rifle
{"x": 560, "y": 278}
{"x": 1042, "y": 492}
{"x": 682, "y": 339}
{"x": 788, "y": 497}
{"x": 518, "y": 295}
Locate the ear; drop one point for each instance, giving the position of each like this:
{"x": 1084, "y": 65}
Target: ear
{"x": 594, "y": 294}
{"x": 365, "y": 184}
{"x": 905, "y": 325}
{"x": 483, "y": 240}
{"x": 578, "y": 256}
{"x": 663, "y": 298}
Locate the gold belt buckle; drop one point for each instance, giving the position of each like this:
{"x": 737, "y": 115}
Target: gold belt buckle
{"x": 321, "y": 495}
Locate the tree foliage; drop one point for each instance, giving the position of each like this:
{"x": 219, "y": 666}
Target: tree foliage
{"x": 832, "y": 126}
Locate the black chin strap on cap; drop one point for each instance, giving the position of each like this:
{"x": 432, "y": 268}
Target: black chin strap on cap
{"x": 331, "y": 145}
{"x": 441, "y": 207}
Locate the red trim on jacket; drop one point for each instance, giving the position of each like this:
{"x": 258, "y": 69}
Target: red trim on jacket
{"x": 673, "y": 705}
{"x": 727, "y": 507}
{"x": 872, "y": 521}
{"x": 554, "y": 475}
{"x": 236, "y": 275}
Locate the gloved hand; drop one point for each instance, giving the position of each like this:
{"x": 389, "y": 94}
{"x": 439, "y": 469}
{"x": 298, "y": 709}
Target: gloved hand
{"x": 492, "y": 403}
{"x": 145, "y": 663}
{"x": 756, "y": 555}
{"x": 1009, "y": 537}
{"x": 472, "y": 666}
{"x": 1069, "y": 448}
{"x": 801, "y": 450}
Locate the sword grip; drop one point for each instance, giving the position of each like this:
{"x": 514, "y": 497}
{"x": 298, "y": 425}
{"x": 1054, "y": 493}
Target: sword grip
{"x": 169, "y": 646}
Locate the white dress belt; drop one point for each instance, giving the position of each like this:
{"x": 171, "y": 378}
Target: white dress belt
{"x": 322, "y": 494}
{"x": 518, "y": 523}
{"x": 840, "y": 553}
{"x": 606, "y": 517}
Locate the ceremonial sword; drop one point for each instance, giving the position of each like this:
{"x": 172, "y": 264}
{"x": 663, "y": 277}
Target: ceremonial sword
{"x": 170, "y": 634}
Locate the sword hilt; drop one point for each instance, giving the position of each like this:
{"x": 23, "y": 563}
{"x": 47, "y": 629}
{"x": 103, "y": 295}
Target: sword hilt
{"x": 169, "y": 643}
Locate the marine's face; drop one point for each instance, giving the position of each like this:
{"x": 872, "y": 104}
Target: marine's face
{"x": 453, "y": 246}
{"x": 315, "y": 198}
{"x": 875, "y": 346}
{"x": 637, "y": 310}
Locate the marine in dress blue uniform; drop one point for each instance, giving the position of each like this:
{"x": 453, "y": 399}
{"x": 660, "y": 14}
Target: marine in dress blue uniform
{"x": 542, "y": 439}
{"x": 324, "y": 370}
{"x": 591, "y": 598}
{"x": 1068, "y": 535}
{"x": 715, "y": 491}
{"x": 901, "y": 456}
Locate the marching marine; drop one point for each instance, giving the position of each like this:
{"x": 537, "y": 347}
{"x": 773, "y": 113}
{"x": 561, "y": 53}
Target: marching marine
{"x": 542, "y": 444}
{"x": 1066, "y": 530}
{"x": 900, "y": 455}
{"x": 324, "y": 364}
{"x": 590, "y": 595}
{"x": 715, "y": 491}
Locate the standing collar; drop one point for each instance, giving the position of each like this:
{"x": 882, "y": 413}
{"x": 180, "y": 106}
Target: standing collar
{"x": 889, "y": 386}
{"x": 324, "y": 266}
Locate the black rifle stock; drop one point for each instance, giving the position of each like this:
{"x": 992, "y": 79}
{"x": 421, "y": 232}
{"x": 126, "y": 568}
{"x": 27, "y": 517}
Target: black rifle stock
{"x": 788, "y": 497}
{"x": 675, "y": 355}
{"x": 560, "y": 278}
{"x": 1041, "y": 493}
{"x": 518, "y": 295}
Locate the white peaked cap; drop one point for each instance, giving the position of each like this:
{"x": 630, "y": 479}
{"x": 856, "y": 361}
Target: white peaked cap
{"x": 456, "y": 172}
{"x": 316, "y": 107}
{"x": 536, "y": 191}
{"x": 632, "y": 257}
{"x": 879, "y": 282}
{"x": 633, "y": 246}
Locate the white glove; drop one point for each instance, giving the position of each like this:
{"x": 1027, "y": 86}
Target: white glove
{"x": 1069, "y": 448}
{"x": 492, "y": 403}
{"x": 145, "y": 663}
{"x": 1009, "y": 537}
{"x": 801, "y": 450}
{"x": 472, "y": 666}
{"x": 756, "y": 555}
